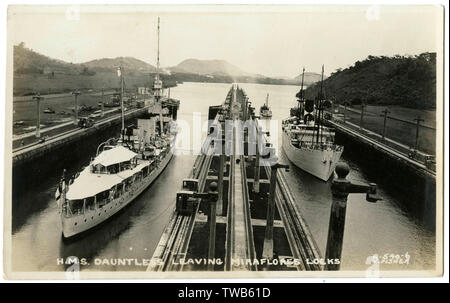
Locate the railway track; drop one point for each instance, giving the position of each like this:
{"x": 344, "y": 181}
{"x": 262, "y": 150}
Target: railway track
{"x": 239, "y": 234}
{"x": 248, "y": 219}
{"x": 176, "y": 237}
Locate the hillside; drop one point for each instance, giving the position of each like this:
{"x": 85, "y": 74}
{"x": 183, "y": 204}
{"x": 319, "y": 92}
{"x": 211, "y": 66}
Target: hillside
{"x": 221, "y": 71}
{"x": 210, "y": 67}
{"x": 26, "y": 61}
{"x": 309, "y": 78}
{"x": 128, "y": 63}
{"x": 34, "y": 72}
{"x": 408, "y": 81}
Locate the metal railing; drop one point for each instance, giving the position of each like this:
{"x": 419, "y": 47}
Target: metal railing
{"x": 410, "y": 136}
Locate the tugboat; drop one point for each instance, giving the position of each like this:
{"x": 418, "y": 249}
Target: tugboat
{"x": 265, "y": 111}
{"x": 121, "y": 170}
{"x": 306, "y": 141}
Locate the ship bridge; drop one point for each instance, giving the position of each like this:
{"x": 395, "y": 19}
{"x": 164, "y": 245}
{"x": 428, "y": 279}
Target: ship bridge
{"x": 115, "y": 155}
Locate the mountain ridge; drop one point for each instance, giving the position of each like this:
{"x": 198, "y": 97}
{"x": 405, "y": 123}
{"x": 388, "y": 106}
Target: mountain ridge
{"x": 37, "y": 72}
{"x": 28, "y": 61}
{"x": 210, "y": 67}
{"x": 126, "y": 62}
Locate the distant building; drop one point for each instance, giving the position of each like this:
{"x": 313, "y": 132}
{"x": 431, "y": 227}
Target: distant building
{"x": 144, "y": 91}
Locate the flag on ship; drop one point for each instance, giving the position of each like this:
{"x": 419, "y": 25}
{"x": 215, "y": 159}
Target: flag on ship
{"x": 61, "y": 189}
{"x": 58, "y": 194}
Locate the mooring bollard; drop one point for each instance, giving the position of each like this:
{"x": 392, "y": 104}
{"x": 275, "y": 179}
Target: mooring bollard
{"x": 341, "y": 188}
{"x": 268, "y": 238}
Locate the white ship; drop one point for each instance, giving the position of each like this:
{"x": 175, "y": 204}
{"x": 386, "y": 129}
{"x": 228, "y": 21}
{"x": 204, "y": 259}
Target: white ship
{"x": 265, "y": 111}
{"x": 114, "y": 178}
{"x": 306, "y": 142}
{"x": 121, "y": 170}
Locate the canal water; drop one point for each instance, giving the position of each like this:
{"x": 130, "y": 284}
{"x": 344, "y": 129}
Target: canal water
{"x": 386, "y": 227}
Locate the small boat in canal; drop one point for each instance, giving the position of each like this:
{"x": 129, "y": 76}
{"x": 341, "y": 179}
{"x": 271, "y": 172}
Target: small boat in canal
{"x": 306, "y": 141}
{"x": 265, "y": 111}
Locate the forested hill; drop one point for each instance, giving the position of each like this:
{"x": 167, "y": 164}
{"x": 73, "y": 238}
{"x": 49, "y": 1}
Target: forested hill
{"x": 408, "y": 81}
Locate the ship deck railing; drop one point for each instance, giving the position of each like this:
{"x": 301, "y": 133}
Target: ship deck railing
{"x": 317, "y": 146}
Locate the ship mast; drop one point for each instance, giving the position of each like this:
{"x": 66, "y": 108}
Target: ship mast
{"x": 157, "y": 60}
{"x": 318, "y": 112}
{"x": 301, "y": 100}
{"x": 157, "y": 88}
{"x": 120, "y": 72}
{"x": 301, "y": 88}
{"x": 267, "y": 100}
{"x": 320, "y": 109}
{"x": 300, "y": 96}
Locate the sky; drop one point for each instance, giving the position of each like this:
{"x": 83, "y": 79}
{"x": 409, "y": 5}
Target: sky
{"x": 275, "y": 41}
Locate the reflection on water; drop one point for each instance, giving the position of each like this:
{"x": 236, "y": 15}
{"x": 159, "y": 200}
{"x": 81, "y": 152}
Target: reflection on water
{"x": 88, "y": 244}
{"x": 370, "y": 229}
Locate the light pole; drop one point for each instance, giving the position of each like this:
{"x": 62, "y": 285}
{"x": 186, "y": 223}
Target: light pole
{"x": 385, "y": 113}
{"x": 345, "y": 110}
{"x": 76, "y": 93}
{"x": 38, "y": 98}
{"x": 362, "y": 115}
{"x": 103, "y": 102}
{"x": 121, "y": 99}
{"x": 418, "y": 120}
